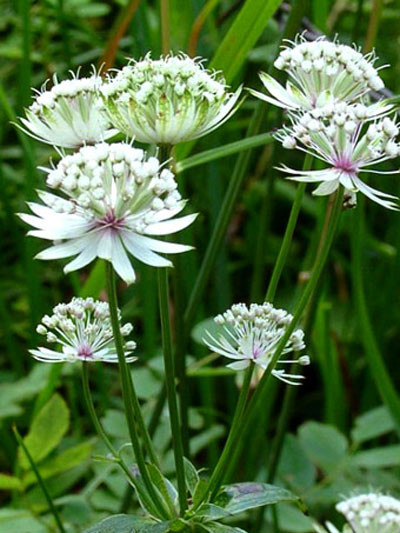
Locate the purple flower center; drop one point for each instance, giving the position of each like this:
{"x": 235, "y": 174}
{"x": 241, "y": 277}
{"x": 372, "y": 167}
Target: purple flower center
{"x": 345, "y": 164}
{"x": 257, "y": 351}
{"x": 85, "y": 351}
{"x": 111, "y": 221}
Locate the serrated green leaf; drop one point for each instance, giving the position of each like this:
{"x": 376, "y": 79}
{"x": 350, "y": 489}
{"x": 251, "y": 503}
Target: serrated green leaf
{"x": 47, "y": 430}
{"x": 64, "y": 461}
{"x": 383, "y": 457}
{"x": 372, "y": 424}
{"x": 242, "y": 496}
{"x": 20, "y": 521}
{"x": 323, "y": 444}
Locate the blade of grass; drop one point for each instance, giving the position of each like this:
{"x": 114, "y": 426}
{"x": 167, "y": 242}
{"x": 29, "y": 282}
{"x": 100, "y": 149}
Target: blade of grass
{"x": 224, "y": 151}
{"x": 40, "y": 480}
{"x": 243, "y": 35}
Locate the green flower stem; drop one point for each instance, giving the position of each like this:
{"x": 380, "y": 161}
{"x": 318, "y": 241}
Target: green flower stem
{"x": 132, "y": 407}
{"x": 287, "y": 238}
{"x": 41, "y": 482}
{"x": 221, "y": 225}
{"x": 332, "y": 220}
{"x": 100, "y": 431}
{"x": 380, "y": 375}
{"x": 234, "y": 436}
{"x": 163, "y": 290}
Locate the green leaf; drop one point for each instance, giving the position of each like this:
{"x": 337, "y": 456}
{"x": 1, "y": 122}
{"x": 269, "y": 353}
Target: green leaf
{"x": 223, "y": 151}
{"x": 221, "y": 528}
{"x": 128, "y": 524}
{"x": 209, "y": 511}
{"x": 64, "y": 461}
{"x": 47, "y": 430}
{"x": 200, "y": 491}
{"x": 165, "y": 488}
{"x": 191, "y": 475}
{"x": 243, "y": 35}
{"x": 242, "y": 496}
{"x": 9, "y": 482}
{"x": 323, "y": 444}
{"x": 20, "y": 521}
{"x": 372, "y": 424}
{"x": 384, "y": 457}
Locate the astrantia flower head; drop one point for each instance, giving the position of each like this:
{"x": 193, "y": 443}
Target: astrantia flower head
{"x": 169, "y": 100}
{"x": 251, "y": 334}
{"x": 371, "y": 513}
{"x": 82, "y": 329}
{"x": 320, "y": 72}
{"x": 348, "y": 139}
{"x": 110, "y": 199}
{"x": 70, "y": 114}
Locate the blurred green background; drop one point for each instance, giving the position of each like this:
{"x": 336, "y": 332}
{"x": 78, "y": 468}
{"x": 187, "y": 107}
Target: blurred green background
{"x": 343, "y": 425}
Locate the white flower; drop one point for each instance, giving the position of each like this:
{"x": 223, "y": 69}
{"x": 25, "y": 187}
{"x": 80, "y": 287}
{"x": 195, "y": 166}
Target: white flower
{"x": 83, "y": 330}
{"x": 348, "y": 139}
{"x": 251, "y": 334}
{"x": 371, "y": 513}
{"x": 112, "y": 199}
{"x": 320, "y": 72}
{"x": 169, "y": 100}
{"x": 70, "y": 114}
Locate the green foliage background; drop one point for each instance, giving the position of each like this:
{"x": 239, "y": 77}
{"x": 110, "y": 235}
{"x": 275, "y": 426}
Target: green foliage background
{"x": 343, "y": 428}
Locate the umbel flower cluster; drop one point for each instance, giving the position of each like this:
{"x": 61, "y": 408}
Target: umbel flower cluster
{"x": 70, "y": 114}
{"x": 110, "y": 199}
{"x": 252, "y": 334}
{"x": 169, "y": 100}
{"x": 368, "y": 513}
{"x": 331, "y": 117}
{"x": 82, "y": 329}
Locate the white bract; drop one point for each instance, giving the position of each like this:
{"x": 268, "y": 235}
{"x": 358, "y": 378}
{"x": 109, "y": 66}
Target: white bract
{"x": 251, "y": 334}
{"x": 350, "y": 140}
{"x": 371, "y": 513}
{"x": 112, "y": 201}
{"x": 169, "y": 100}
{"x": 70, "y": 114}
{"x": 320, "y": 72}
{"x": 82, "y": 330}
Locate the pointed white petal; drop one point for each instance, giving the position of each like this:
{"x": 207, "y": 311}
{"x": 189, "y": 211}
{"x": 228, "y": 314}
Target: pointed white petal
{"x": 170, "y": 226}
{"x": 143, "y": 254}
{"x": 121, "y": 262}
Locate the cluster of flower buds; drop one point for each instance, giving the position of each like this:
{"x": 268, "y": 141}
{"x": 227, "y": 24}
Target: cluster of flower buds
{"x": 113, "y": 198}
{"x": 82, "y": 330}
{"x": 331, "y": 117}
{"x": 252, "y": 334}
{"x": 350, "y": 138}
{"x": 371, "y": 513}
{"x": 169, "y": 100}
{"x": 70, "y": 114}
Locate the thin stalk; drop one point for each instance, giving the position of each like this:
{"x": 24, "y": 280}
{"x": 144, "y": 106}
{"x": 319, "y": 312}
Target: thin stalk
{"x": 163, "y": 291}
{"x": 102, "y": 434}
{"x": 221, "y": 225}
{"x": 287, "y": 238}
{"x": 333, "y": 216}
{"x": 373, "y": 25}
{"x": 40, "y": 480}
{"x": 379, "y": 373}
{"x": 233, "y": 437}
{"x": 132, "y": 408}
{"x": 165, "y": 26}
